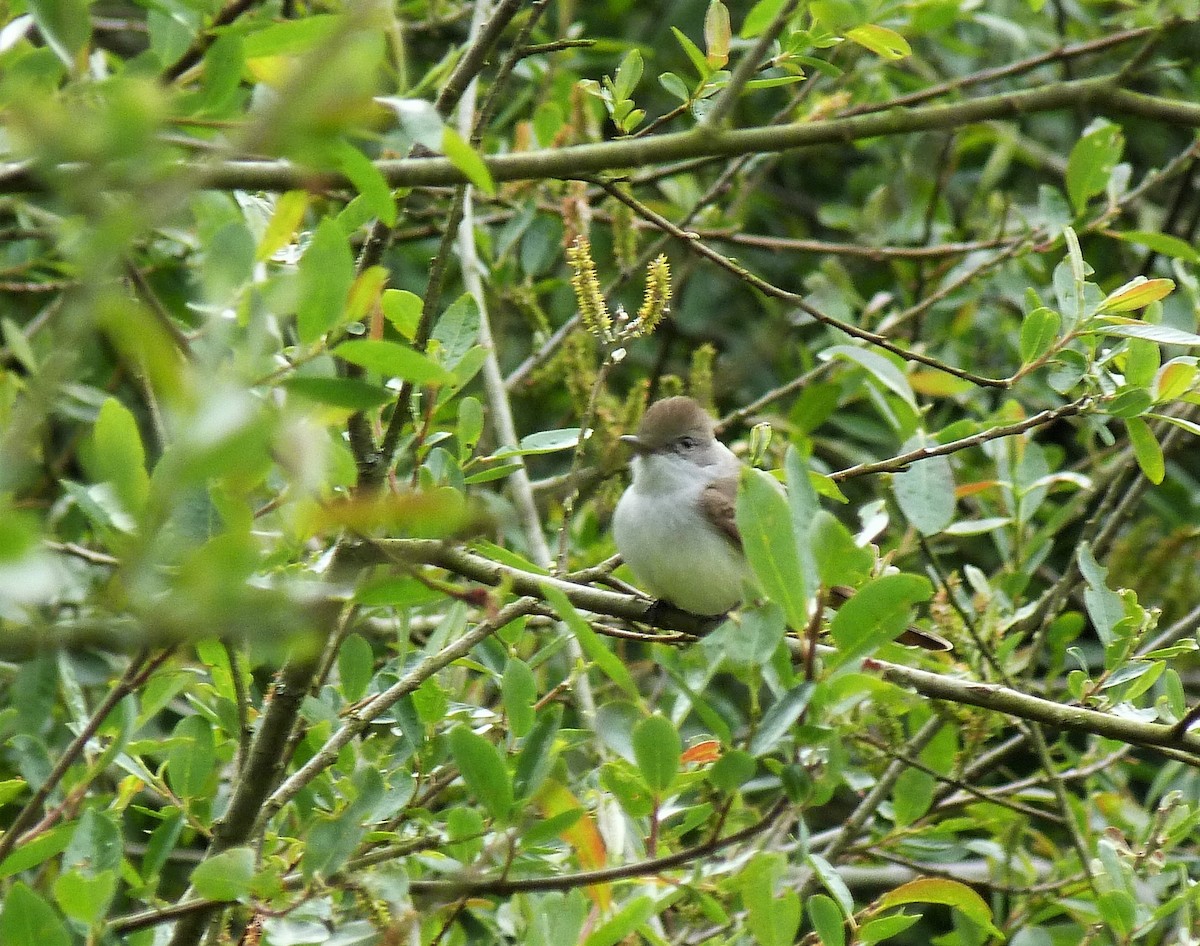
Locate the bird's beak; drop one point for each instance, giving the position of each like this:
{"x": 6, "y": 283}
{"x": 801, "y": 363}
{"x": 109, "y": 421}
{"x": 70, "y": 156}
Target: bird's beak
{"x": 636, "y": 445}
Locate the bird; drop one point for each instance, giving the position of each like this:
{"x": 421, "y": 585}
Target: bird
{"x": 675, "y": 524}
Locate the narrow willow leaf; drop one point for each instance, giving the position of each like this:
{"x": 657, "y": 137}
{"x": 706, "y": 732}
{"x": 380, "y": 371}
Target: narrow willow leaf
{"x": 1146, "y": 449}
{"x": 225, "y": 876}
{"x": 765, "y": 523}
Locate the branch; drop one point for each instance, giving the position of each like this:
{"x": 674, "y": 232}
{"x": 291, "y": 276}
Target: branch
{"x": 1014, "y": 703}
{"x": 904, "y": 460}
{"x": 503, "y": 886}
{"x": 1099, "y": 94}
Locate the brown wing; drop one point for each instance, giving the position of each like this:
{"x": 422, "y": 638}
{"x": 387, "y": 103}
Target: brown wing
{"x": 718, "y": 503}
{"x": 911, "y": 636}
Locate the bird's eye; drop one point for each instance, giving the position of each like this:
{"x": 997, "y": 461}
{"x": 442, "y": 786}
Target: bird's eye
{"x": 687, "y": 443}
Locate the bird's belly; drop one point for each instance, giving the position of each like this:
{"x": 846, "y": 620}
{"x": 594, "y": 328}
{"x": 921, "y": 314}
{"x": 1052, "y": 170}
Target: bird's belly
{"x": 678, "y": 556}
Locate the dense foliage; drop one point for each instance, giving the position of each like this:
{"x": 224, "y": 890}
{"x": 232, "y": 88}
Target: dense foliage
{"x": 320, "y": 324}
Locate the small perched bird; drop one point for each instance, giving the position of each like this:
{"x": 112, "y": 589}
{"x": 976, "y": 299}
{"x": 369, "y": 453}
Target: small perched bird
{"x": 675, "y": 524}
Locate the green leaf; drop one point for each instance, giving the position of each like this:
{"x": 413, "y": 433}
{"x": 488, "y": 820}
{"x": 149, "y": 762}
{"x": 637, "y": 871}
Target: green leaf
{"x": 912, "y": 796}
{"x": 483, "y": 770}
{"x": 1130, "y": 402}
{"x": 356, "y": 666}
{"x": 326, "y": 272}
{"x": 879, "y": 367}
{"x": 693, "y": 53}
{"x": 880, "y": 40}
{"x": 544, "y": 441}
{"x": 518, "y": 689}
{"x": 827, "y": 920}
{"x": 925, "y": 492}
{"x": 610, "y": 665}
{"x": 467, "y": 160}
{"x": 1175, "y": 378}
{"x": 876, "y": 614}
{"x": 1091, "y": 162}
{"x": 778, "y": 720}
{"x": 37, "y": 851}
{"x": 773, "y": 921}
{"x": 1162, "y": 243}
{"x": 1039, "y": 331}
{"x": 804, "y": 506}
{"x": 117, "y": 455}
{"x": 1163, "y": 334}
{"x": 761, "y": 15}
{"x": 832, "y": 881}
{"x": 657, "y": 749}
{"x": 28, "y": 920}
{"x": 1103, "y": 604}
{"x": 537, "y": 752}
{"x": 85, "y": 897}
{"x": 1142, "y": 361}
{"x": 285, "y": 220}
{"x": 347, "y": 393}
{"x": 403, "y": 309}
{"x": 1146, "y": 449}
{"x": 765, "y": 522}
{"x": 65, "y": 25}
{"x": 733, "y": 770}
{"x": 191, "y": 758}
{"x": 226, "y": 876}
{"x": 951, "y": 893}
{"x": 96, "y": 843}
{"x": 470, "y": 424}
{"x": 394, "y": 360}
{"x": 630, "y": 918}
{"x": 457, "y": 330}
{"x": 629, "y": 74}
{"x": 1138, "y": 293}
{"x": 291, "y": 37}
{"x": 375, "y": 190}
{"x": 885, "y": 927}
{"x": 839, "y": 560}
{"x": 675, "y": 86}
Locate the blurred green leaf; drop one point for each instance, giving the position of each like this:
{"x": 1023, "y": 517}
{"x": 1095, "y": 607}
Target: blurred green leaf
{"x": 519, "y": 691}
{"x": 1091, "y": 161}
{"x": 225, "y": 876}
{"x": 1146, "y": 449}
{"x": 483, "y": 770}
{"x": 826, "y": 920}
{"x": 883, "y": 42}
{"x": 326, "y": 272}
{"x": 28, "y": 920}
{"x": 393, "y": 360}
{"x": 657, "y": 748}
{"x": 948, "y": 892}
{"x": 467, "y": 160}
